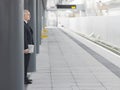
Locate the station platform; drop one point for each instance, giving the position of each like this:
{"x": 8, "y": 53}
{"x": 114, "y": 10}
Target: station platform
{"x": 64, "y": 65}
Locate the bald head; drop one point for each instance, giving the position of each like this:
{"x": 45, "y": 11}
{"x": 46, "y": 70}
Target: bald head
{"x": 26, "y": 15}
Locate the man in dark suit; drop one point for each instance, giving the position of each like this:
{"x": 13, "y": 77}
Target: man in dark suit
{"x": 28, "y": 40}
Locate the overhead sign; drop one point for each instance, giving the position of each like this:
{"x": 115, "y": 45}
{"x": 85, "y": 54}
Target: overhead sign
{"x": 66, "y": 6}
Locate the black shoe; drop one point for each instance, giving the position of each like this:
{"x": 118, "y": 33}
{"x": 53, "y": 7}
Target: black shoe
{"x": 30, "y": 80}
{"x": 27, "y": 79}
{"x": 27, "y": 82}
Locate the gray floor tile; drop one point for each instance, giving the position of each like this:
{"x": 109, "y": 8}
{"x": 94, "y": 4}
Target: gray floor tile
{"x": 63, "y": 65}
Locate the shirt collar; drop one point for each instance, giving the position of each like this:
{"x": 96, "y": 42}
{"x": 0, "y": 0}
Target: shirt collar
{"x": 25, "y": 21}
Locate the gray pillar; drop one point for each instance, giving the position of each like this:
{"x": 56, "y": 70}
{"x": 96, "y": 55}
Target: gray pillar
{"x": 26, "y": 4}
{"x": 40, "y": 17}
{"x": 11, "y": 45}
{"x": 37, "y": 26}
{"x": 43, "y": 11}
{"x": 43, "y": 18}
{"x": 32, "y": 9}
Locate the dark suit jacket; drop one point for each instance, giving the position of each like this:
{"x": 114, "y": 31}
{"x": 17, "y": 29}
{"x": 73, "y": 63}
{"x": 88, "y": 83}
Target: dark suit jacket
{"x": 28, "y": 35}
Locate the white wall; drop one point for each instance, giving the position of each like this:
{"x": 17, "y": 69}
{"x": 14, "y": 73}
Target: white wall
{"x": 108, "y": 27}
{"x": 51, "y": 18}
{"x": 64, "y": 22}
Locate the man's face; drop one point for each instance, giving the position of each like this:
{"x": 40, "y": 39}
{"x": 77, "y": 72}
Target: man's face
{"x": 27, "y": 16}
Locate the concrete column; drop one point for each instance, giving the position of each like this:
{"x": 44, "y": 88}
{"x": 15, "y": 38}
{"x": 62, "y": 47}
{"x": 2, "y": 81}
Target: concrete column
{"x": 32, "y": 9}
{"x": 44, "y": 18}
{"x": 37, "y": 25}
{"x": 11, "y": 45}
{"x": 26, "y": 4}
{"x": 43, "y": 13}
{"x": 40, "y": 18}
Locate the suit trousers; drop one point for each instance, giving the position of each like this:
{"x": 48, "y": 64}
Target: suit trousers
{"x": 26, "y": 64}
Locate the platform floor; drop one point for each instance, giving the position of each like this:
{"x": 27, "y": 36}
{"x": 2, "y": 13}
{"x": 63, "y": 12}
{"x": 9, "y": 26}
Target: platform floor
{"x": 64, "y": 65}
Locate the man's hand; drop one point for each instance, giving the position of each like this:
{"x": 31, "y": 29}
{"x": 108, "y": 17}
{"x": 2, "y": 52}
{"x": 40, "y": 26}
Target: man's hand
{"x": 26, "y": 51}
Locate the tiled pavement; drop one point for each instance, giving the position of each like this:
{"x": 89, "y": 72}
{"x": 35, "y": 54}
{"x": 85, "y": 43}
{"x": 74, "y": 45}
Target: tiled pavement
{"x": 63, "y": 65}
